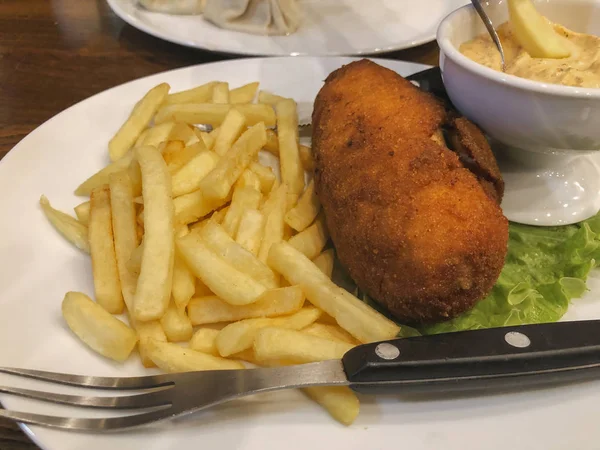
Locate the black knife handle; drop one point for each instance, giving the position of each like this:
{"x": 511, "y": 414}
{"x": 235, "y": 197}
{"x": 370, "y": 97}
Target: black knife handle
{"x": 480, "y": 359}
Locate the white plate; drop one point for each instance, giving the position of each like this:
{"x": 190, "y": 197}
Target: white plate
{"x": 330, "y": 27}
{"x": 37, "y": 267}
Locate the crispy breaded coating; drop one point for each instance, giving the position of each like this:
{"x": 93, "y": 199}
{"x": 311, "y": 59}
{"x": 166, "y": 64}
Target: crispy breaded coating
{"x": 413, "y": 226}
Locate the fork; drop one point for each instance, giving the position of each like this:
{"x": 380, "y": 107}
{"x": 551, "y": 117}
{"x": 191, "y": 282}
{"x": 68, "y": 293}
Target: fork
{"x": 509, "y": 357}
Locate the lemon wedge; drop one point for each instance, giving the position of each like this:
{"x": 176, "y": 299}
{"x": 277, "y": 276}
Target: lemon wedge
{"x": 535, "y": 33}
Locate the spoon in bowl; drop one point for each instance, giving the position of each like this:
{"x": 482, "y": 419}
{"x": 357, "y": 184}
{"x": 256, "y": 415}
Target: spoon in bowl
{"x": 490, "y": 28}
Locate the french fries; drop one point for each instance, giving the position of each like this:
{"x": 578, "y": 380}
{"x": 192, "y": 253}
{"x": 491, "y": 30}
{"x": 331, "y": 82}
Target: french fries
{"x": 274, "y": 211}
{"x": 100, "y": 178}
{"x": 249, "y": 233}
{"x": 124, "y": 231}
{"x": 243, "y": 94}
{"x": 312, "y": 240}
{"x": 175, "y": 161}
{"x": 292, "y": 173}
{"x": 173, "y": 358}
{"x": 184, "y": 283}
{"x": 221, "y": 93}
{"x": 97, "y": 328}
{"x": 231, "y": 129}
{"x": 214, "y": 114}
{"x": 188, "y": 178}
{"x": 290, "y": 345}
{"x": 325, "y": 262}
{"x": 306, "y": 156}
{"x": 249, "y": 179}
{"x": 107, "y": 285}
{"x": 191, "y": 207}
{"x": 204, "y": 340}
{"x": 138, "y": 120}
{"x": 217, "y": 184}
{"x": 239, "y": 336}
{"x": 217, "y": 239}
{"x": 243, "y": 198}
{"x": 198, "y": 94}
{"x": 354, "y": 316}
{"x": 155, "y": 135}
{"x": 330, "y": 332}
{"x": 265, "y": 175}
{"x": 82, "y": 211}
{"x": 273, "y": 303}
{"x": 269, "y": 99}
{"x": 176, "y": 324}
{"x": 233, "y": 286}
{"x": 340, "y": 401}
{"x": 73, "y": 230}
{"x": 154, "y": 282}
{"x": 305, "y": 212}
{"x": 146, "y": 331}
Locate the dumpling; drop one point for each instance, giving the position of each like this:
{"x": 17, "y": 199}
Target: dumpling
{"x": 254, "y": 16}
{"x": 174, "y": 6}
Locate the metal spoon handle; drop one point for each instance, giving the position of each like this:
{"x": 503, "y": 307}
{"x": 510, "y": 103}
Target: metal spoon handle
{"x": 490, "y": 27}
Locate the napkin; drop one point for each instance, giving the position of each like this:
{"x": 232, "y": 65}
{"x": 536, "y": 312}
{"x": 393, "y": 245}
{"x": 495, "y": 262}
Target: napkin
{"x": 274, "y": 17}
{"x": 174, "y": 6}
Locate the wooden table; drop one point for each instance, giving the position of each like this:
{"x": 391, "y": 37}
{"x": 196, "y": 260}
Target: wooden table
{"x": 54, "y": 53}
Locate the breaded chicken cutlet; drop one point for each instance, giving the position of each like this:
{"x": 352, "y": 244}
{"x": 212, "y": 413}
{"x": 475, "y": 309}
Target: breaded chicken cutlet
{"x": 417, "y": 226}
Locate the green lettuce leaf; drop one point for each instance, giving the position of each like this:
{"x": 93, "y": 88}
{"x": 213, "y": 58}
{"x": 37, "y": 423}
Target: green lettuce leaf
{"x": 545, "y": 268}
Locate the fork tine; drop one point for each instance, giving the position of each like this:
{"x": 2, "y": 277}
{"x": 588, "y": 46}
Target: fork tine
{"x": 151, "y": 399}
{"x": 144, "y": 382}
{"x": 84, "y": 424}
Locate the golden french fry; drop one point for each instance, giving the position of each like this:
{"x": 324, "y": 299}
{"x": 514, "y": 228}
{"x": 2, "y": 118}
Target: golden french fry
{"x": 306, "y": 156}
{"x": 188, "y": 178}
{"x": 233, "y": 286}
{"x": 191, "y": 207}
{"x": 71, "y": 229}
{"x": 134, "y": 263}
{"x": 135, "y": 175}
{"x": 339, "y": 401}
{"x": 170, "y": 150}
{"x": 183, "y": 132}
{"x": 107, "y": 285}
{"x": 239, "y": 336}
{"x": 273, "y": 303}
{"x": 269, "y": 98}
{"x": 221, "y": 93}
{"x": 274, "y": 211}
{"x": 184, "y": 283}
{"x": 231, "y": 129}
{"x": 82, "y": 211}
{"x": 201, "y": 289}
{"x": 305, "y": 211}
{"x": 292, "y": 172}
{"x": 214, "y": 114}
{"x": 125, "y": 232}
{"x": 331, "y": 332}
{"x": 219, "y": 215}
{"x": 243, "y": 198}
{"x": 208, "y": 138}
{"x": 176, "y": 324}
{"x": 204, "y": 340}
{"x": 199, "y": 94}
{"x": 101, "y": 177}
{"x": 218, "y": 241}
{"x": 313, "y": 239}
{"x": 272, "y": 145}
{"x": 173, "y": 358}
{"x": 182, "y": 158}
{"x": 325, "y": 262}
{"x": 145, "y": 331}
{"x": 272, "y": 343}
{"x": 217, "y": 184}
{"x": 155, "y": 135}
{"x": 354, "y": 316}
{"x": 139, "y": 119}
{"x": 153, "y": 290}
{"x": 250, "y": 230}
{"x": 243, "y": 94}
{"x": 265, "y": 175}
{"x": 97, "y": 328}
{"x": 248, "y": 179}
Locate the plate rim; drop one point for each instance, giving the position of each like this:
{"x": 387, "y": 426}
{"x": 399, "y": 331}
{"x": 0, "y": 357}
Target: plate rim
{"x": 115, "y": 6}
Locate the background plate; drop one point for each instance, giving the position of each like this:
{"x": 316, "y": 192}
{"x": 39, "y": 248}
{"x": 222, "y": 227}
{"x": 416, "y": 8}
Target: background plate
{"x": 37, "y": 267}
{"x": 330, "y": 27}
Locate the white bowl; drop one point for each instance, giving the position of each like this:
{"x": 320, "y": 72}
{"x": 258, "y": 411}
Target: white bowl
{"x": 555, "y": 185}
{"x": 519, "y": 112}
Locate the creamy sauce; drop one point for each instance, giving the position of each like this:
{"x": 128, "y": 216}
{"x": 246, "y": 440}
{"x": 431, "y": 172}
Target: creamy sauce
{"x": 582, "y": 68}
